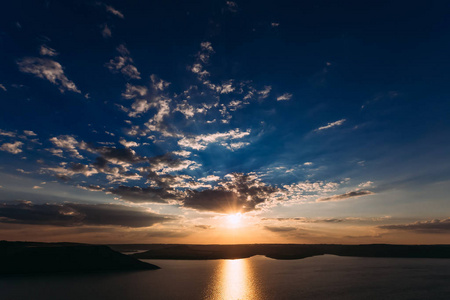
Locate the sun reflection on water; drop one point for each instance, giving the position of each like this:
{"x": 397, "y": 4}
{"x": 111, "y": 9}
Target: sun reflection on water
{"x": 233, "y": 280}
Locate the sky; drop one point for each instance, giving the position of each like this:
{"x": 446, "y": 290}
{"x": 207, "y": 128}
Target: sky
{"x": 209, "y": 122}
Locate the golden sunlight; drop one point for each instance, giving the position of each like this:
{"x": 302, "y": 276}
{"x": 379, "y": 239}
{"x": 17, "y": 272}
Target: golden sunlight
{"x": 234, "y": 220}
{"x": 234, "y": 281}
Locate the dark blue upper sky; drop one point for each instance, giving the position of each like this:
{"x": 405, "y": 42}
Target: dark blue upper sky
{"x": 181, "y": 111}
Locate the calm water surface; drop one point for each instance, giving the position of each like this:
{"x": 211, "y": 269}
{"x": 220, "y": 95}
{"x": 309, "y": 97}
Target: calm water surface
{"x": 320, "y": 277}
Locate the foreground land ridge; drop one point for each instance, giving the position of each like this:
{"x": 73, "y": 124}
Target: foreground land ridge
{"x": 281, "y": 251}
{"x": 41, "y": 258}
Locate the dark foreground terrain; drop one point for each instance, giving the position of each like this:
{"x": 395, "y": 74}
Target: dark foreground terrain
{"x": 41, "y": 258}
{"x": 283, "y": 251}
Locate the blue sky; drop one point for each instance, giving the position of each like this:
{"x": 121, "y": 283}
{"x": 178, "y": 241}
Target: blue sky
{"x": 146, "y": 121}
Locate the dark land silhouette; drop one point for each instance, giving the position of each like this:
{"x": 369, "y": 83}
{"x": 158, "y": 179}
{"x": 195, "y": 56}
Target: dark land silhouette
{"x": 42, "y": 258}
{"x": 282, "y": 251}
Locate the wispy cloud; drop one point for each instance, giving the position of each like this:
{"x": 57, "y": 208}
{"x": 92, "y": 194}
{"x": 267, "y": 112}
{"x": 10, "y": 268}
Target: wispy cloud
{"x": 284, "y": 97}
{"x": 433, "y": 226}
{"x": 74, "y": 214}
{"x": 47, "y": 51}
{"x": 7, "y": 133}
{"x": 331, "y": 125}
{"x": 111, "y": 10}
{"x": 280, "y": 228}
{"x": 47, "y": 69}
{"x": 346, "y": 196}
{"x": 106, "y": 31}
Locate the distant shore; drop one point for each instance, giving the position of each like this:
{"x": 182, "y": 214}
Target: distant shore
{"x": 281, "y": 251}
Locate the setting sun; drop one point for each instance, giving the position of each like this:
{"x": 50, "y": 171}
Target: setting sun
{"x": 234, "y": 220}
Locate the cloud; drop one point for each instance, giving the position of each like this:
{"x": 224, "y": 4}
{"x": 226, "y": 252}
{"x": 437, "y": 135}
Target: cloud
{"x": 37, "y": 187}
{"x": 128, "y": 144}
{"x": 433, "y": 226}
{"x": 263, "y": 94}
{"x": 331, "y": 220}
{"x": 143, "y": 194}
{"x": 346, "y": 196}
{"x": 106, "y": 31}
{"x": 123, "y": 64}
{"x": 201, "y": 142}
{"x": 280, "y": 228}
{"x": 47, "y": 69}
{"x": 118, "y": 155}
{"x": 331, "y": 125}
{"x": 186, "y": 109}
{"x": 111, "y": 10}
{"x": 284, "y": 97}
{"x": 274, "y": 24}
{"x": 239, "y": 193}
{"x": 134, "y": 91}
{"x": 66, "y": 142}
{"x": 159, "y": 84}
{"x": 114, "y": 11}
{"x": 156, "y": 123}
{"x": 203, "y": 226}
{"x": 29, "y": 133}
{"x": 74, "y": 214}
{"x": 168, "y": 163}
{"x": 366, "y": 184}
{"x": 13, "y": 148}
{"x": 7, "y": 133}
{"x": 3, "y": 87}
{"x": 210, "y": 178}
{"x": 232, "y": 6}
{"x": 47, "y": 51}
{"x": 75, "y": 168}
{"x": 183, "y": 153}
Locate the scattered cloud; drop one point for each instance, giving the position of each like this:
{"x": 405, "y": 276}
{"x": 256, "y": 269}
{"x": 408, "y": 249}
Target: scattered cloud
{"x": 47, "y": 69}
{"x": 201, "y": 142}
{"x": 66, "y": 142}
{"x": 13, "y": 148}
{"x": 123, "y": 64}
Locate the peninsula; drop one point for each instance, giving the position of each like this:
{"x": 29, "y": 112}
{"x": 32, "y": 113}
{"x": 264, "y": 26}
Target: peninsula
{"x": 42, "y": 258}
